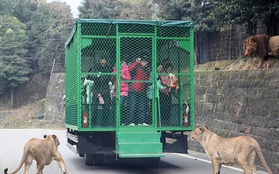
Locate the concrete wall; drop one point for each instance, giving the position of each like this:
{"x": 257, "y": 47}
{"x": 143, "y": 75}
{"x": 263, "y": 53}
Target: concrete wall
{"x": 54, "y": 109}
{"x": 234, "y": 103}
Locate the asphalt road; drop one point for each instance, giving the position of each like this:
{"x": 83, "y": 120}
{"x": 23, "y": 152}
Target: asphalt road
{"x": 13, "y": 140}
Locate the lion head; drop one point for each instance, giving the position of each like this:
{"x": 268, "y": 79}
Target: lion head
{"x": 52, "y": 138}
{"x": 250, "y": 47}
{"x": 196, "y": 134}
{"x": 256, "y": 45}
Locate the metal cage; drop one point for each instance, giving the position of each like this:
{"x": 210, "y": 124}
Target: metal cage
{"x": 100, "y": 97}
{"x": 129, "y": 85}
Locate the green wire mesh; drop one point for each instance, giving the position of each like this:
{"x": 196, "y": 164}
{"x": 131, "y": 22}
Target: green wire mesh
{"x": 99, "y": 93}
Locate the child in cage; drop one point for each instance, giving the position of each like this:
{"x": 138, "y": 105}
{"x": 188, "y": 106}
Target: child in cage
{"x": 150, "y": 89}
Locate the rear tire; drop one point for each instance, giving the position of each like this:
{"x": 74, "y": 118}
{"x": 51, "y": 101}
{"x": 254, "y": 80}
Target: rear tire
{"x": 99, "y": 159}
{"x": 151, "y": 161}
{"x": 155, "y": 160}
{"x": 89, "y": 158}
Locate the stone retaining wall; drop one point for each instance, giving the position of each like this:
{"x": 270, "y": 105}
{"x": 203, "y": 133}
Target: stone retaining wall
{"x": 234, "y": 103}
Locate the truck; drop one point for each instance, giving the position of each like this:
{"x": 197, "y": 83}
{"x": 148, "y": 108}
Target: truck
{"x": 155, "y": 116}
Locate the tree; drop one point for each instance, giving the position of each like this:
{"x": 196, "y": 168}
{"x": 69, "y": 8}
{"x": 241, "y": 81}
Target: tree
{"x": 48, "y": 28}
{"x": 140, "y": 10}
{"x": 173, "y": 9}
{"x": 13, "y": 40}
{"x": 248, "y": 12}
{"x": 47, "y": 25}
{"x": 213, "y": 15}
{"x": 100, "y": 9}
{"x": 271, "y": 19}
{"x": 227, "y": 13}
{"x": 52, "y": 33}
{"x": 27, "y": 11}
{"x": 7, "y": 6}
{"x": 197, "y": 11}
{"x": 118, "y": 9}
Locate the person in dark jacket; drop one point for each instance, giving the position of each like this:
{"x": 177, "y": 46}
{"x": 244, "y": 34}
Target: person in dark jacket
{"x": 166, "y": 96}
{"x": 101, "y": 90}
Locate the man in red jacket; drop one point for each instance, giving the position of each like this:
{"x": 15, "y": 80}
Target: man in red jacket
{"x": 140, "y": 72}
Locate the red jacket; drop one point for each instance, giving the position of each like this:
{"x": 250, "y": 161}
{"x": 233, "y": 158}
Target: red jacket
{"x": 140, "y": 74}
{"x": 124, "y": 86}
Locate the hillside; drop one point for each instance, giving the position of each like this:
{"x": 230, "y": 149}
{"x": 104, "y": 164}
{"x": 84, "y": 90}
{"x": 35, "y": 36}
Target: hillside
{"x": 28, "y": 116}
{"x": 233, "y": 65}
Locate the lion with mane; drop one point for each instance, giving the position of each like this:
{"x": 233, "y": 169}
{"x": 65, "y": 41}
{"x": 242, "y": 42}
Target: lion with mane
{"x": 262, "y": 46}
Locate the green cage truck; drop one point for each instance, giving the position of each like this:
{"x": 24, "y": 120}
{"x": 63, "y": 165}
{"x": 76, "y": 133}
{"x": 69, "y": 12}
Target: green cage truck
{"x": 129, "y": 88}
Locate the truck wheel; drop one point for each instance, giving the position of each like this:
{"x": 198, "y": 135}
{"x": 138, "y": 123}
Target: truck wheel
{"x": 99, "y": 159}
{"x": 89, "y": 159}
{"x": 151, "y": 161}
{"x": 155, "y": 161}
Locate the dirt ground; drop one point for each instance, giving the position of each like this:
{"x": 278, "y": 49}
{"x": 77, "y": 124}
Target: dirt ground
{"x": 234, "y": 65}
{"x": 28, "y": 116}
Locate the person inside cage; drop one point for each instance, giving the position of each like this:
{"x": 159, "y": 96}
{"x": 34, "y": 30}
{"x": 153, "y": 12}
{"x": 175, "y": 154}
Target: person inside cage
{"x": 166, "y": 95}
{"x": 150, "y": 88}
{"x": 138, "y": 99}
{"x": 150, "y": 92}
{"x": 166, "y": 62}
{"x": 101, "y": 91}
{"x": 124, "y": 86}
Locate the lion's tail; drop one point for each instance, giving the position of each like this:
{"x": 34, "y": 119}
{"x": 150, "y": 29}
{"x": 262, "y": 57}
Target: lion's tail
{"x": 25, "y": 153}
{"x": 261, "y": 156}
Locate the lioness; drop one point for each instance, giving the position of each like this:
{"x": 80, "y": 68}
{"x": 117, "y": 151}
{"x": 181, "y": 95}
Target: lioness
{"x": 44, "y": 151}
{"x": 242, "y": 149}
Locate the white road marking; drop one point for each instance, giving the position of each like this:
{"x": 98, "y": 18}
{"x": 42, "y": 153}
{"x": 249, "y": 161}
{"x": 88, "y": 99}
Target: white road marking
{"x": 207, "y": 161}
